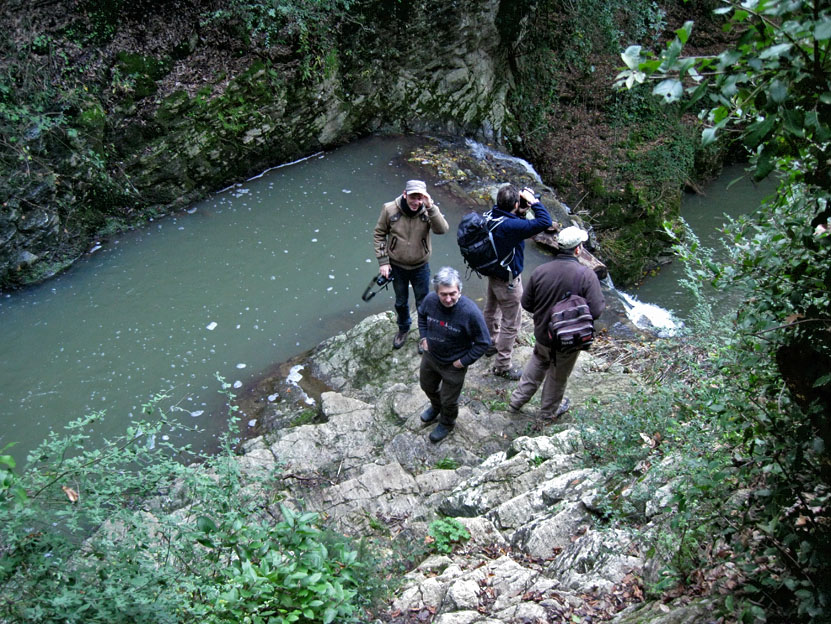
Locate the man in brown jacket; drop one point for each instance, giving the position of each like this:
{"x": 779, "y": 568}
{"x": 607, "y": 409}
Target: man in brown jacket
{"x": 548, "y": 284}
{"x": 403, "y": 248}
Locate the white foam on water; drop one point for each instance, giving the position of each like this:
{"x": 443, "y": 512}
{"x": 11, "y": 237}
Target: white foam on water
{"x": 650, "y": 316}
{"x": 294, "y": 374}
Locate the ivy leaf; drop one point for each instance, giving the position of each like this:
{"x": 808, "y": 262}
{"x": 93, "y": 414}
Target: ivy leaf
{"x": 632, "y": 56}
{"x": 683, "y": 33}
{"x": 758, "y": 131}
{"x": 823, "y": 30}
{"x": 708, "y": 136}
{"x": 205, "y": 524}
{"x": 778, "y": 91}
{"x": 822, "y": 381}
{"x": 775, "y": 51}
{"x": 670, "y": 90}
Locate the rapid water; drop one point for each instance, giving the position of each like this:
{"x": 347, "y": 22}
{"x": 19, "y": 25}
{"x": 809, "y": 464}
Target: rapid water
{"x": 661, "y": 301}
{"x": 248, "y": 278}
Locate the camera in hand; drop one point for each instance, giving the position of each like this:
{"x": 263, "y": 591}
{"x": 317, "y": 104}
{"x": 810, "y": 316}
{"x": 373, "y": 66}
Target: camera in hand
{"x": 378, "y": 283}
{"x": 523, "y": 203}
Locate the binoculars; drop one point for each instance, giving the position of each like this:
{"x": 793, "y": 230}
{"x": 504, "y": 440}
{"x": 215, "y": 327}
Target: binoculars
{"x": 523, "y": 203}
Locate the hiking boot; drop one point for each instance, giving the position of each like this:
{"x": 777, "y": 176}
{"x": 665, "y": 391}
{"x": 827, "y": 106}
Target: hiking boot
{"x": 429, "y": 415}
{"x": 440, "y": 432}
{"x": 513, "y": 374}
{"x": 564, "y": 405}
{"x": 491, "y": 350}
{"x": 400, "y": 339}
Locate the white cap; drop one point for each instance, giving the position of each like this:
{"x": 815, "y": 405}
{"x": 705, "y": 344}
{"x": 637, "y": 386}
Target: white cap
{"x": 571, "y": 236}
{"x": 415, "y": 186}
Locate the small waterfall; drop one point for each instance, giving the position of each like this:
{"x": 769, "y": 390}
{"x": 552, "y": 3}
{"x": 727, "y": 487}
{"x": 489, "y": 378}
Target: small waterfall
{"x": 646, "y": 316}
{"x": 483, "y": 152}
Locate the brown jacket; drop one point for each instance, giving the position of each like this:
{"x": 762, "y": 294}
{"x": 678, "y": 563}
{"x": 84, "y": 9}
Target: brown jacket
{"x": 405, "y": 241}
{"x": 549, "y": 283}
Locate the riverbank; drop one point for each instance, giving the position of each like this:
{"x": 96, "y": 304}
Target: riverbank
{"x": 540, "y": 548}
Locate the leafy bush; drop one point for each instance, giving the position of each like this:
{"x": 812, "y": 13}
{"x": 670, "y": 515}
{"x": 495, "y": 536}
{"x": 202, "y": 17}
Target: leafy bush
{"x": 128, "y": 532}
{"x": 445, "y": 533}
{"x": 768, "y": 393}
{"x": 742, "y": 455}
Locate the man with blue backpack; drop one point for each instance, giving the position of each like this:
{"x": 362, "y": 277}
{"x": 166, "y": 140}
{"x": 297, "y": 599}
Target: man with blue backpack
{"x": 503, "y": 310}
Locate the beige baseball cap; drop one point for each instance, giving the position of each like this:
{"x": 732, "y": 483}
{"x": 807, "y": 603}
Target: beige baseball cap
{"x": 571, "y": 236}
{"x": 415, "y": 186}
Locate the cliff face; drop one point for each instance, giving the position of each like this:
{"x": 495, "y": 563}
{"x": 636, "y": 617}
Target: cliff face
{"x": 115, "y": 112}
{"x": 173, "y": 104}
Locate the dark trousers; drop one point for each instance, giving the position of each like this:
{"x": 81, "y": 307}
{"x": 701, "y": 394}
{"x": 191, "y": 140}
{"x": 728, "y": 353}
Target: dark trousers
{"x": 401, "y": 280}
{"x": 442, "y": 383}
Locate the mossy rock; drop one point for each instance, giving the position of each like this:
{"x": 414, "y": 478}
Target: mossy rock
{"x": 144, "y": 70}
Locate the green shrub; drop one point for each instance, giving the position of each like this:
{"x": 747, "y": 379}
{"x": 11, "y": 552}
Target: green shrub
{"x": 445, "y": 533}
{"x": 128, "y": 532}
{"x": 447, "y": 463}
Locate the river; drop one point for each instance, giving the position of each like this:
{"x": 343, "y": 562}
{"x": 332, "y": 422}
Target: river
{"x": 245, "y": 279}
{"x": 250, "y": 277}
{"x": 662, "y": 297}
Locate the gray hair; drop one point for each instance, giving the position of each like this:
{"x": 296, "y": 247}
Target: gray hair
{"x": 447, "y": 276}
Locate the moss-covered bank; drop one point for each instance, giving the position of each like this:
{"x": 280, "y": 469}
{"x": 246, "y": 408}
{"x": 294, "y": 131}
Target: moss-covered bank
{"x": 113, "y": 113}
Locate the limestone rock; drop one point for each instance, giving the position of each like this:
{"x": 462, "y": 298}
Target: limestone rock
{"x": 536, "y": 552}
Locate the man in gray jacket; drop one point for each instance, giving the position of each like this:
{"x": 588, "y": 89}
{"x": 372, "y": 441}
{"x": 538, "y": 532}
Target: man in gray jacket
{"x": 548, "y": 284}
{"x": 402, "y": 246}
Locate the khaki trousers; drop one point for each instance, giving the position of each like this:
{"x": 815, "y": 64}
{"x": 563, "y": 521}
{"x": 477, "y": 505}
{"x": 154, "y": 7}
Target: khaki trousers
{"x": 503, "y": 316}
{"x": 549, "y": 368}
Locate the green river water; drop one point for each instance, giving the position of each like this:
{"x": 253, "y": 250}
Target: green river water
{"x": 246, "y": 279}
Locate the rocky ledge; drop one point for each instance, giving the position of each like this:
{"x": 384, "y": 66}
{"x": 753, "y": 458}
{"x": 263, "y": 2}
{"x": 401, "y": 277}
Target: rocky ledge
{"x": 539, "y": 549}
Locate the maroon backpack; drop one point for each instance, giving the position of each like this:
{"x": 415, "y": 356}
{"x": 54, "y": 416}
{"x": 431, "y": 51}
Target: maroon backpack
{"x": 570, "y": 324}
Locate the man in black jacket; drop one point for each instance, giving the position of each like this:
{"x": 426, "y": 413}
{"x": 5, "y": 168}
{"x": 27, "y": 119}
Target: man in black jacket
{"x": 453, "y": 336}
{"x": 548, "y": 284}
